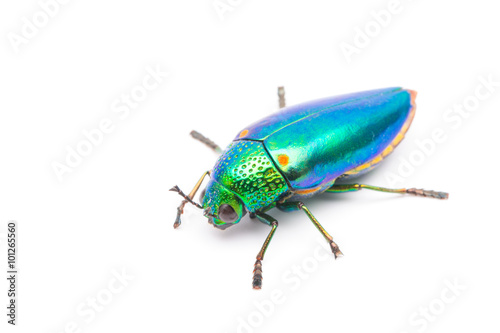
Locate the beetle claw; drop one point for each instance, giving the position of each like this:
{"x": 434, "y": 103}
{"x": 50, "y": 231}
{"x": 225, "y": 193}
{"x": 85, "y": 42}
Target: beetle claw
{"x": 335, "y": 249}
{"x": 175, "y": 189}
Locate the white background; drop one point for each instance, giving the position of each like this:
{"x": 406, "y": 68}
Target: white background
{"x": 114, "y": 212}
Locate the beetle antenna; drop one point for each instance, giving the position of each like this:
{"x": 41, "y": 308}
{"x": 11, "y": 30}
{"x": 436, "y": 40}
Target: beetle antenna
{"x": 186, "y": 198}
{"x": 180, "y": 209}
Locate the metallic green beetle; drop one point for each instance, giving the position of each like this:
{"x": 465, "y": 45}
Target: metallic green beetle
{"x": 299, "y": 152}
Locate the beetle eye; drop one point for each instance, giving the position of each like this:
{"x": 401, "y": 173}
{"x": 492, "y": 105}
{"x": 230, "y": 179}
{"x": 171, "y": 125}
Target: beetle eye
{"x": 227, "y": 213}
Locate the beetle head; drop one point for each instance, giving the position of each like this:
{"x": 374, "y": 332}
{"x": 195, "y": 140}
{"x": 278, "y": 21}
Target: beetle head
{"x": 222, "y": 207}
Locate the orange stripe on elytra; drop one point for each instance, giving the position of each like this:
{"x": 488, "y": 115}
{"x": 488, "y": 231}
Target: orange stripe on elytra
{"x": 311, "y": 190}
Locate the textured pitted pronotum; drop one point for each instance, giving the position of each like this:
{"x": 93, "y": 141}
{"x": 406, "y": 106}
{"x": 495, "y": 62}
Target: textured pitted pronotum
{"x": 302, "y": 151}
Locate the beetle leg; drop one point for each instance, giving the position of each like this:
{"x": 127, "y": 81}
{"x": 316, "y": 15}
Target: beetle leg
{"x": 414, "y": 191}
{"x": 188, "y": 198}
{"x": 296, "y": 205}
{"x": 200, "y": 137}
{"x": 281, "y": 95}
{"x": 257, "y": 271}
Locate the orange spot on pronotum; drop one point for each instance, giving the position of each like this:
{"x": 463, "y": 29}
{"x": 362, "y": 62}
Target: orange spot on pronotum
{"x": 243, "y": 133}
{"x": 283, "y": 159}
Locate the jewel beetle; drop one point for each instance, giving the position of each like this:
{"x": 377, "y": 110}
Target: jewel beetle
{"x": 299, "y": 152}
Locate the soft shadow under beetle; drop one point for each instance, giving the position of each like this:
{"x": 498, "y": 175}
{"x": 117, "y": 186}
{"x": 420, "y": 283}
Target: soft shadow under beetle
{"x": 301, "y": 151}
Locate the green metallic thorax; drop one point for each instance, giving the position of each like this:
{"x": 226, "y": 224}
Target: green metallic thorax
{"x": 246, "y": 169}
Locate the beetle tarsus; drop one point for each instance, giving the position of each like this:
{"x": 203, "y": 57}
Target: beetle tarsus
{"x": 335, "y": 249}
{"x": 257, "y": 275}
{"x": 180, "y": 211}
{"x": 281, "y": 96}
{"x": 428, "y": 193}
{"x": 177, "y": 222}
{"x": 178, "y": 190}
{"x": 209, "y": 143}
